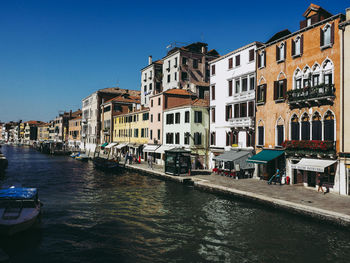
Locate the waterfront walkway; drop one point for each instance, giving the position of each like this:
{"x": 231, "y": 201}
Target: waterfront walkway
{"x": 297, "y": 199}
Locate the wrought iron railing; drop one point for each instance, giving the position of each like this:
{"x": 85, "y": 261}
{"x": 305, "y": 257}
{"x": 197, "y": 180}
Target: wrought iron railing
{"x": 311, "y": 93}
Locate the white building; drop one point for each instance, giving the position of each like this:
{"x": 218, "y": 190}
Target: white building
{"x": 90, "y": 121}
{"x": 232, "y": 100}
{"x": 151, "y": 80}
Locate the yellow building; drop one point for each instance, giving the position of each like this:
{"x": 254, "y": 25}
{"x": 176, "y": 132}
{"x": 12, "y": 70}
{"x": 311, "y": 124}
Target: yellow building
{"x": 130, "y": 131}
{"x": 43, "y": 131}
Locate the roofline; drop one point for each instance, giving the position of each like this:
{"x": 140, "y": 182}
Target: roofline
{"x": 301, "y": 31}
{"x": 130, "y": 113}
{"x": 152, "y": 64}
{"x": 235, "y": 51}
{"x": 185, "y": 106}
{"x": 180, "y": 50}
{"x": 124, "y": 102}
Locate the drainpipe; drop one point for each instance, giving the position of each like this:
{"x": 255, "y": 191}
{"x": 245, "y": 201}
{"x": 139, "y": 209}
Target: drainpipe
{"x": 342, "y": 28}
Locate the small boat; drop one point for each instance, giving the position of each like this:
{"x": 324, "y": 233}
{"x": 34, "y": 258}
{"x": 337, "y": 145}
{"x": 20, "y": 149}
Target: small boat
{"x": 74, "y": 155}
{"x": 82, "y": 157}
{"x": 3, "y": 162}
{"x": 104, "y": 164}
{"x": 20, "y": 209}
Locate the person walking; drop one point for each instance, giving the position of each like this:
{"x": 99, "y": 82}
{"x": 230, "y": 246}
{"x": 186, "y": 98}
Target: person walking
{"x": 278, "y": 177}
{"x": 320, "y": 182}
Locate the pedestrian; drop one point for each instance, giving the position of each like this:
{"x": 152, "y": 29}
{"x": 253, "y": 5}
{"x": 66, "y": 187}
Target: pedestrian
{"x": 320, "y": 183}
{"x": 278, "y": 177}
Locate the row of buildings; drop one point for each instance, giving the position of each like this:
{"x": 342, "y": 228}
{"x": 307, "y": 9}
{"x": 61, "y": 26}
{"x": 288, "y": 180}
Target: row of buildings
{"x": 281, "y": 104}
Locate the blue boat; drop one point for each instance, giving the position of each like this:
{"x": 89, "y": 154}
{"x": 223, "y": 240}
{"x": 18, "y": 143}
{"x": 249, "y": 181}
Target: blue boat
{"x": 20, "y": 209}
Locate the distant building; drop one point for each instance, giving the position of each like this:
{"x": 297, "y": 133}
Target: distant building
{"x": 74, "y": 132}
{"x": 43, "y": 131}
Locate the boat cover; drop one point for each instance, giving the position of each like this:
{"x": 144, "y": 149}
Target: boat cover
{"x": 18, "y": 193}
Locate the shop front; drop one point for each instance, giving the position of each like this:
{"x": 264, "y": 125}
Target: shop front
{"x": 177, "y": 161}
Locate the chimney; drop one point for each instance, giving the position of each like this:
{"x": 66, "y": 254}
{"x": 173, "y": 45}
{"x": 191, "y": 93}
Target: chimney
{"x": 149, "y": 60}
{"x": 348, "y": 13}
{"x": 204, "y": 49}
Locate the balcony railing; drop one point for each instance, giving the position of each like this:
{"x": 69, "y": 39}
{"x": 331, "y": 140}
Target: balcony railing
{"x": 317, "y": 94}
{"x": 243, "y": 96}
{"x": 242, "y": 122}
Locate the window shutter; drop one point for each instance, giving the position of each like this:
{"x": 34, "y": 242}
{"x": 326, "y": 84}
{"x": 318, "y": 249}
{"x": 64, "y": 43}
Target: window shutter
{"x": 275, "y": 87}
{"x": 285, "y": 50}
{"x": 251, "y": 55}
{"x": 293, "y": 47}
{"x": 259, "y": 62}
{"x": 257, "y": 95}
{"x": 277, "y": 53}
{"x": 265, "y": 91}
{"x": 301, "y": 44}
{"x": 284, "y": 88}
{"x": 314, "y": 19}
{"x": 264, "y": 58}
{"x": 321, "y": 37}
{"x": 302, "y": 24}
{"x": 332, "y": 33}
{"x": 238, "y": 60}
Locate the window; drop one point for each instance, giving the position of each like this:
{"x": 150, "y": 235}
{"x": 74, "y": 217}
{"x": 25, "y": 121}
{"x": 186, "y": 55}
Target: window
{"x": 213, "y": 115}
{"x": 237, "y": 86}
{"x": 230, "y": 87}
{"x": 168, "y": 65}
{"x": 243, "y": 112}
{"x": 136, "y": 133}
{"x": 228, "y": 112}
{"x": 150, "y": 86}
{"x": 280, "y": 134}
{"x": 305, "y": 127}
{"x": 244, "y": 84}
{"x": 315, "y": 80}
{"x": 236, "y": 110}
{"x": 151, "y": 103}
{"x": 238, "y": 60}
{"x": 251, "y": 109}
{"x": 151, "y": 117}
{"x": 142, "y": 133}
{"x": 170, "y": 118}
{"x": 145, "y": 116}
{"x": 197, "y": 138}
{"x": 298, "y": 83}
{"x": 175, "y": 76}
{"x": 177, "y": 117}
{"x": 186, "y": 138}
{"x": 168, "y": 80}
{"x": 262, "y": 60}
{"x": 184, "y": 61}
{"x": 175, "y": 65}
{"x": 261, "y": 93}
{"x": 251, "y": 55}
{"x": 328, "y": 78}
{"x": 280, "y": 52}
{"x": 195, "y": 63}
{"x": 328, "y": 128}
{"x": 151, "y": 134}
{"x": 198, "y": 117}
{"x": 280, "y": 88}
{"x": 213, "y": 69}
{"x": 184, "y": 76}
{"x": 213, "y": 92}
{"x": 306, "y": 83}
{"x": 295, "y": 127}
{"x": 230, "y": 63}
{"x": 261, "y": 135}
{"x": 158, "y": 116}
{"x": 252, "y": 83}
{"x": 327, "y": 36}
{"x": 187, "y": 117}
{"x": 297, "y": 46}
{"x": 316, "y": 127}
{"x": 213, "y": 138}
{"x": 158, "y": 101}
{"x": 158, "y": 134}
{"x": 169, "y": 138}
{"x": 177, "y": 138}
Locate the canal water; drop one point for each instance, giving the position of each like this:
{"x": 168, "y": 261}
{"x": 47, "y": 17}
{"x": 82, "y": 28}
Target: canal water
{"x": 93, "y": 216}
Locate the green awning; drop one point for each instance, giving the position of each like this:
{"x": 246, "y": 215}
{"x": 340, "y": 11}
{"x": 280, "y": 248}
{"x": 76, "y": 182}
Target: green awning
{"x": 105, "y": 144}
{"x": 265, "y": 156}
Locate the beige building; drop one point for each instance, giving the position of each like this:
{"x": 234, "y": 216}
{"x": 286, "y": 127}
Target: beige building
{"x": 74, "y": 132}
{"x": 344, "y": 142}
{"x": 43, "y": 132}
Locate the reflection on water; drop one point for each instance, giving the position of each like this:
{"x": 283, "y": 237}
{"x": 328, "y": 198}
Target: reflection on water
{"x": 93, "y": 216}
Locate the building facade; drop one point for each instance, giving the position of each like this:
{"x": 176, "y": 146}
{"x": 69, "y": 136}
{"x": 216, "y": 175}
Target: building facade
{"x": 74, "y": 133}
{"x": 232, "y": 101}
{"x": 298, "y": 99}
{"x": 43, "y": 132}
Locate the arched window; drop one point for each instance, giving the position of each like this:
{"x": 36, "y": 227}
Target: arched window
{"x": 297, "y": 79}
{"x": 316, "y": 127}
{"x": 297, "y": 45}
{"x": 327, "y": 68}
{"x": 280, "y": 132}
{"x": 306, "y": 77}
{"x": 327, "y": 35}
{"x": 328, "y": 126}
{"x": 305, "y": 127}
{"x": 295, "y": 127}
{"x": 316, "y": 75}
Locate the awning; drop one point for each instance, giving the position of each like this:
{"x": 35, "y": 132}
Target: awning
{"x": 111, "y": 145}
{"x": 265, "y": 156}
{"x": 164, "y": 148}
{"x": 119, "y": 146}
{"x": 150, "y": 147}
{"x": 134, "y": 145}
{"x": 104, "y": 145}
{"x": 231, "y": 156}
{"x": 314, "y": 165}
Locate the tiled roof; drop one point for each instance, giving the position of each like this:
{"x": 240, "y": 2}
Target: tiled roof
{"x": 34, "y": 122}
{"x": 130, "y": 99}
{"x": 178, "y": 92}
{"x": 77, "y": 118}
{"x": 200, "y": 102}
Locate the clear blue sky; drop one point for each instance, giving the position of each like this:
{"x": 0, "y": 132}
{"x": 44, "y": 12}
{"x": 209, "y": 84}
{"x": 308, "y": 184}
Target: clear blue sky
{"x": 54, "y": 53}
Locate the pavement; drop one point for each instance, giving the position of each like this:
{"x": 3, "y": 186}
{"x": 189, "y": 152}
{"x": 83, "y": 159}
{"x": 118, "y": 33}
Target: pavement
{"x": 294, "y": 198}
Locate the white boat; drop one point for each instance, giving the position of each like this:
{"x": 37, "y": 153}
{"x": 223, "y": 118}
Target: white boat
{"x": 20, "y": 209}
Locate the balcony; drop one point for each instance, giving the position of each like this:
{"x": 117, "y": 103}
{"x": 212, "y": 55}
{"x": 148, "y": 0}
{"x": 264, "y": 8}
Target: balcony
{"x": 310, "y": 148}
{"x": 106, "y": 131}
{"x": 244, "y": 96}
{"x": 322, "y": 94}
{"x": 242, "y": 122}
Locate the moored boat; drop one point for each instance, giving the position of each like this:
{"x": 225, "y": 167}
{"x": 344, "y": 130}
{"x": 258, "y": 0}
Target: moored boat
{"x": 3, "y": 162}
{"x": 82, "y": 157}
{"x": 20, "y": 209}
{"x": 102, "y": 163}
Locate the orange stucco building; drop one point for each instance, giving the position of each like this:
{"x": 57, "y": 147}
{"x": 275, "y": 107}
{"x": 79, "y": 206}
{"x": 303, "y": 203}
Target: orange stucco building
{"x": 298, "y": 96}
